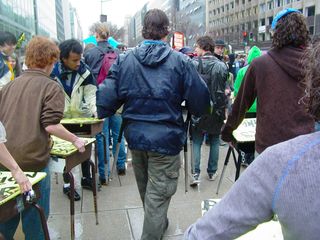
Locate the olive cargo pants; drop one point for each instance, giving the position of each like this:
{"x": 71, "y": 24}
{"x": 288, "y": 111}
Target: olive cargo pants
{"x": 157, "y": 179}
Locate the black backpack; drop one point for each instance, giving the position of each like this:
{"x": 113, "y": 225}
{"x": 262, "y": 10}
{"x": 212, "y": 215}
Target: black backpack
{"x": 212, "y": 123}
{"x": 216, "y": 86}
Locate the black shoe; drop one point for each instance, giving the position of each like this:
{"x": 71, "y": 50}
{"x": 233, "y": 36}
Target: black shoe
{"x": 103, "y": 181}
{"x": 87, "y": 183}
{"x": 167, "y": 224}
{"x": 67, "y": 191}
{"x": 122, "y": 171}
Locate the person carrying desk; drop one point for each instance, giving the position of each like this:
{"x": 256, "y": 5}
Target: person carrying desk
{"x": 274, "y": 79}
{"x": 283, "y": 181}
{"x": 8, "y": 161}
{"x": 247, "y": 148}
{"x": 80, "y": 96}
{"x": 31, "y": 110}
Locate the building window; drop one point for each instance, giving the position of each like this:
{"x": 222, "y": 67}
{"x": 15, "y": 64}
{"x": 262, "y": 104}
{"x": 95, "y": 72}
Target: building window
{"x": 270, "y": 5}
{"x": 270, "y": 19}
{"x": 232, "y": 5}
{"x": 310, "y": 11}
{"x": 255, "y": 24}
{"x": 288, "y": 1}
{"x": 262, "y": 7}
{"x": 278, "y": 3}
{"x": 311, "y": 30}
{"x": 262, "y": 22}
{"x": 243, "y": 1}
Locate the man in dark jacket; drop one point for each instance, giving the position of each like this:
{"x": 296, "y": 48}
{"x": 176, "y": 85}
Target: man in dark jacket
{"x": 94, "y": 59}
{"x": 215, "y": 74}
{"x": 152, "y": 81}
{"x": 274, "y": 80}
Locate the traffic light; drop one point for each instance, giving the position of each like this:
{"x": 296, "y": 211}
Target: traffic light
{"x": 251, "y": 36}
{"x": 244, "y": 37}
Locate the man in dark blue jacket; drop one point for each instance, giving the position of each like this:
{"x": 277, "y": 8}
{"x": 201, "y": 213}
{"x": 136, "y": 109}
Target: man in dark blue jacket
{"x": 151, "y": 82}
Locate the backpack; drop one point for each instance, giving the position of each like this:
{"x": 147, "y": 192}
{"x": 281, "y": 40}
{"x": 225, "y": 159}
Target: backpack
{"x": 108, "y": 59}
{"x": 212, "y": 123}
{"x": 217, "y": 94}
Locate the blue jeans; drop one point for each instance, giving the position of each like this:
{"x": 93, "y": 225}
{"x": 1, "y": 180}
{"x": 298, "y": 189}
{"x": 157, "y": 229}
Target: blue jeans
{"x": 113, "y": 123}
{"x": 197, "y": 138}
{"x": 31, "y": 223}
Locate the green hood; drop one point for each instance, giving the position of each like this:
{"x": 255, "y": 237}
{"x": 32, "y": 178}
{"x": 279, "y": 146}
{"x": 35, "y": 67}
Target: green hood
{"x": 254, "y": 53}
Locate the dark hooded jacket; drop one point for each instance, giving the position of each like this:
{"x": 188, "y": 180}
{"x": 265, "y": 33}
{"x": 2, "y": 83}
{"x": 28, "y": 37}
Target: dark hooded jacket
{"x": 275, "y": 79}
{"x": 152, "y": 81}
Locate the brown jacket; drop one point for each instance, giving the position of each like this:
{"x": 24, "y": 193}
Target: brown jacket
{"x": 27, "y": 105}
{"x": 275, "y": 79}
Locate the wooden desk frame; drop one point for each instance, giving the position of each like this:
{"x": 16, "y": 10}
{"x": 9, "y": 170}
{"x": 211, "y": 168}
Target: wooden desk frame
{"x": 73, "y": 159}
{"x": 15, "y": 206}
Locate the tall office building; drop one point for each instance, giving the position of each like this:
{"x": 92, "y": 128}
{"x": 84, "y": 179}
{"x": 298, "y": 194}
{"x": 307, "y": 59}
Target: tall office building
{"x": 76, "y": 30}
{"x": 46, "y": 18}
{"x": 60, "y": 21}
{"x": 248, "y": 22}
{"x": 17, "y": 17}
{"x": 192, "y": 19}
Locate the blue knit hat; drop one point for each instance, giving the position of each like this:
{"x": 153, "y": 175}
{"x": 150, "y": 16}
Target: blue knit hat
{"x": 281, "y": 14}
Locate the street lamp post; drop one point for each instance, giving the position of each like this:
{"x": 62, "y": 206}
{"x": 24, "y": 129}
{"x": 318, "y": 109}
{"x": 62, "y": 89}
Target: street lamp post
{"x": 103, "y": 1}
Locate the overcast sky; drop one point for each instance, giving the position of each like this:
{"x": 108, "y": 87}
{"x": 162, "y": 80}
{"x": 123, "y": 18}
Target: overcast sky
{"x": 89, "y": 11}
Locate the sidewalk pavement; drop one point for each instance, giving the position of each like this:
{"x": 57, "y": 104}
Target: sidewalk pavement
{"x": 120, "y": 210}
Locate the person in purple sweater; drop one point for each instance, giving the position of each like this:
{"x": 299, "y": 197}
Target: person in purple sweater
{"x": 284, "y": 181}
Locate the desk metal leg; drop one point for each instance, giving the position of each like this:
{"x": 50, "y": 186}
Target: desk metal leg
{"x": 226, "y": 161}
{"x": 72, "y": 205}
{"x": 115, "y": 159}
{"x": 238, "y": 165}
{"x": 94, "y": 190}
{"x": 43, "y": 221}
{"x": 104, "y": 140}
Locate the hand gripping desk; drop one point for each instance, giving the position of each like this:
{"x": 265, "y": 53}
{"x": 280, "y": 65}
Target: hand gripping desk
{"x": 86, "y": 127}
{"x": 66, "y": 150}
{"x": 12, "y": 202}
{"x": 245, "y": 133}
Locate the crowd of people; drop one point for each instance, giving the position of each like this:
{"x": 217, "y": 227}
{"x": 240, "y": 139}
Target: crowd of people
{"x": 141, "y": 91}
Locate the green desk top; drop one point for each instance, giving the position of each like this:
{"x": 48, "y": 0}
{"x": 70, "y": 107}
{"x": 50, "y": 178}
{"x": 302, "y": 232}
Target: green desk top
{"x": 9, "y": 189}
{"x": 80, "y": 120}
{"x": 63, "y": 149}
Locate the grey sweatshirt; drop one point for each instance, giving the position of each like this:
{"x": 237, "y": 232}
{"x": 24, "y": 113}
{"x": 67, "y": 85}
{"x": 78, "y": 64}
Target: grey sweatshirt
{"x": 283, "y": 180}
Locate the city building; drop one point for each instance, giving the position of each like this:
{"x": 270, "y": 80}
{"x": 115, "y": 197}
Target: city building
{"x": 191, "y": 19}
{"x": 243, "y": 23}
{"x": 17, "y": 17}
{"x": 76, "y": 30}
{"x": 66, "y": 18}
{"x": 46, "y": 20}
{"x": 60, "y": 22}
{"x": 170, "y": 7}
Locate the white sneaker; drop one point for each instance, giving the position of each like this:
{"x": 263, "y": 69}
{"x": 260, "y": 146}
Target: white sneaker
{"x": 213, "y": 177}
{"x": 195, "y": 180}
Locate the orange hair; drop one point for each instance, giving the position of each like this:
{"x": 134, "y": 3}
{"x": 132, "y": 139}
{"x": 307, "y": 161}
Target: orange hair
{"x": 41, "y": 52}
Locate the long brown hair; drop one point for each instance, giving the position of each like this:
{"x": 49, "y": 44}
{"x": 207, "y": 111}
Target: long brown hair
{"x": 311, "y": 64}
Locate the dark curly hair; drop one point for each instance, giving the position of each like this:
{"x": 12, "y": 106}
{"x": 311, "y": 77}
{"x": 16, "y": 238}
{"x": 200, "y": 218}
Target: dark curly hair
{"x": 206, "y": 43}
{"x": 68, "y": 46}
{"x": 311, "y": 63}
{"x": 291, "y": 30}
{"x": 155, "y": 25}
